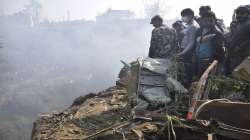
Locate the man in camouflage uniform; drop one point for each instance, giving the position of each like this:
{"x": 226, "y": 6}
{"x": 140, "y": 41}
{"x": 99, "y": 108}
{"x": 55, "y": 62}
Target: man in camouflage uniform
{"x": 163, "y": 40}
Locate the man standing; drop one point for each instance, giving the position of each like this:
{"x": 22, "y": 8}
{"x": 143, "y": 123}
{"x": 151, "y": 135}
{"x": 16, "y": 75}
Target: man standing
{"x": 227, "y": 43}
{"x": 240, "y": 43}
{"x": 187, "y": 44}
{"x": 163, "y": 40}
{"x": 209, "y": 42}
{"x": 189, "y": 34}
{"x": 179, "y": 28}
{"x": 219, "y": 22}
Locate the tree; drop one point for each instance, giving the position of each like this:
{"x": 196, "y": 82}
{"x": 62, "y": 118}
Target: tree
{"x": 156, "y": 7}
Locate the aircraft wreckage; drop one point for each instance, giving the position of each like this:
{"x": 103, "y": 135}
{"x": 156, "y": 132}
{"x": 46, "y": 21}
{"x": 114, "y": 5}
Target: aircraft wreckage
{"x": 150, "y": 103}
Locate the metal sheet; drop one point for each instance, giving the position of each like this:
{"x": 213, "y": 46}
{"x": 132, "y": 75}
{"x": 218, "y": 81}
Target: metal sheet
{"x": 156, "y": 95}
{"x": 152, "y": 80}
{"x": 236, "y": 114}
{"x": 159, "y": 66}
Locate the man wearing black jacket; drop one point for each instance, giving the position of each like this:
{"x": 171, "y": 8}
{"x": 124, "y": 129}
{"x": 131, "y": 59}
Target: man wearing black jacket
{"x": 209, "y": 43}
{"x": 240, "y": 43}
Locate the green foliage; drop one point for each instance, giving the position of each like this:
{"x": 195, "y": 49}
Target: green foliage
{"x": 222, "y": 86}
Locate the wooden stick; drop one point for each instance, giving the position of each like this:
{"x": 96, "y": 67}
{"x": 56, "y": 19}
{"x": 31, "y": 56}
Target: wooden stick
{"x": 138, "y": 133}
{"x": 116, "y": 126}
{"x": 200, "y": 86}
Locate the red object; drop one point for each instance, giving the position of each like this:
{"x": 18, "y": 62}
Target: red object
{"x": 190, "y": 116}
{"x": 200, "y": 86}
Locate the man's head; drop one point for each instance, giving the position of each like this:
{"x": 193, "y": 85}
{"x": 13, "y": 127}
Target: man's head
{"x": 156, "y": 21}
{"x": 204, "y": 9}
{"x": 242, "y": 13}
{"x": 178, "y": 26}
{"x": 208, "y": 19}
{"x": 187, "y": 15}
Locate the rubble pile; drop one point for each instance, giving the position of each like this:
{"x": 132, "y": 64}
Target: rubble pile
{"x": 87, "y": 115}
{"x": 148, "y": 103}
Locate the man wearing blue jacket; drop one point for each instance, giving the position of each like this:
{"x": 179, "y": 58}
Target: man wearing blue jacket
{"x": 209, "y": 43}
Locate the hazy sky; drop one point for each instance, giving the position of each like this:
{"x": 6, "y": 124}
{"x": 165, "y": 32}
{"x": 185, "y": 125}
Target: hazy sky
{"x": 88, "y": 9}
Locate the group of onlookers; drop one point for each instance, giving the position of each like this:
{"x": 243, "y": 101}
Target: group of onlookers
{"x": 197, "y": 41}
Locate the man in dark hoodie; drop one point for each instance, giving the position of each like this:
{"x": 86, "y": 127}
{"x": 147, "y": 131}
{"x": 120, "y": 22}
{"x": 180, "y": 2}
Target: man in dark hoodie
{"x": 239, "y": 47}
{"x": 209, "y": 42}
{"x": 219, "y": 22}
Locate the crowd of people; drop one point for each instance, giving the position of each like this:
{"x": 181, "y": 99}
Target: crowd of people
{"x": 199, "y": 40}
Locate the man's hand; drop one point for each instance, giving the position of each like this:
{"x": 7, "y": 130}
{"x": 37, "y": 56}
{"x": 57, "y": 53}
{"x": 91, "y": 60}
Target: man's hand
{"x": 179, "y": 56}
{"x": 236, "y": 49}
{"x": 205, "y": 38}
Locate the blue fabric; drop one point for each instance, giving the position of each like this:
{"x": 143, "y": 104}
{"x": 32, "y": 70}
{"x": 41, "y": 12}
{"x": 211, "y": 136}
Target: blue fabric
{"x": 204, "y": 50}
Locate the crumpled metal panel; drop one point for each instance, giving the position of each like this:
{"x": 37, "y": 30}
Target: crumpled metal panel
{"x": 156, "y": 95}
{"x": 147, "y": 80}
{"x": 152, "y": 82}
{"x": 159, "y": 66}
{"x": 175, "y": 86}
{"x": 232, "y": 113}
{"x": 149, "y": 73}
